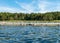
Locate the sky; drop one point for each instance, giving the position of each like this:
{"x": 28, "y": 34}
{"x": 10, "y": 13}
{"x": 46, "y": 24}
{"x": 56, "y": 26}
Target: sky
{"x": 29, "y": 6}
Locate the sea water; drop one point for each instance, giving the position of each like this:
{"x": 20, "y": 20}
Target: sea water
{"x": 29, "y": 34}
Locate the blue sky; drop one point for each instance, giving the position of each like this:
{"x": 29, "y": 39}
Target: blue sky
{"x": 29, "y": 6}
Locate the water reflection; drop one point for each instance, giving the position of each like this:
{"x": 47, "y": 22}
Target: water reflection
{"x": 29, "y": 34}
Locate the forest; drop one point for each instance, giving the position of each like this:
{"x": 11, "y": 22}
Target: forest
{"x": 48, "y": 16}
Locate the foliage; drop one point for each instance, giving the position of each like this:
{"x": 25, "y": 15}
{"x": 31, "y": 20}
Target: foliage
{"x": 32, "y": 16}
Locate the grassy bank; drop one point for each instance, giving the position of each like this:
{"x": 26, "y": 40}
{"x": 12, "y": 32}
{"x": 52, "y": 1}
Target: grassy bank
{"x": 35, "y": 21}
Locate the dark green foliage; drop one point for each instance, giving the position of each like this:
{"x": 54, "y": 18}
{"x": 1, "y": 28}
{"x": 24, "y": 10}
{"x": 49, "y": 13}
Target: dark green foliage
{"x": 33, "y": 16}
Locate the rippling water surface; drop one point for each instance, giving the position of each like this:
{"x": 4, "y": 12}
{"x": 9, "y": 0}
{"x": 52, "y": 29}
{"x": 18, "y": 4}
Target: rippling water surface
{"x": 29, "y": 34}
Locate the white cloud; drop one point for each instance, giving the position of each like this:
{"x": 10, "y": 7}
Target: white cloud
{"x": 27, "y": 7}
{"x": 46, "y": 6}
{"x": 9, "y": 9}
{"x": 31, "y": 7}
{"x": 58, "y": 7}
{"x": 35, "y": 6}
{"x": 42, "y": 6}
{"x": 6, "y": 9}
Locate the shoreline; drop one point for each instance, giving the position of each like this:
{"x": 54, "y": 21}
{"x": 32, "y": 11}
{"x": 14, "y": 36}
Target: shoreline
{"x": 31, "y": 23}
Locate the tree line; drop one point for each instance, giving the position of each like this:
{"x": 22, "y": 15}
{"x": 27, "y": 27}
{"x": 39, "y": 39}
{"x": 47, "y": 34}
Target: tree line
{"x": 32, "y": 16}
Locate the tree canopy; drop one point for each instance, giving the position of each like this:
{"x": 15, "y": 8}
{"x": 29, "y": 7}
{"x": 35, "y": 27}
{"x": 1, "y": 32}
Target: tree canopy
{"x": 32, "y": 16}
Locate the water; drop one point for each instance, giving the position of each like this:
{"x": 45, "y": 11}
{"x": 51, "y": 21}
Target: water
{"x": 29, "y": 34}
